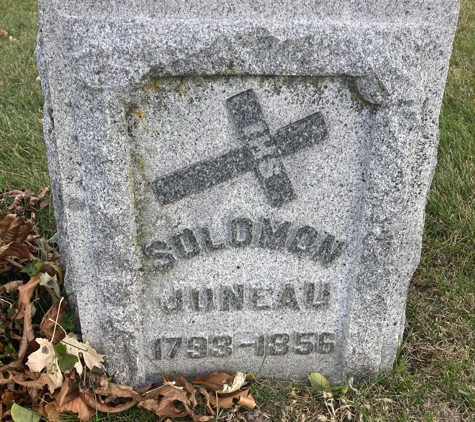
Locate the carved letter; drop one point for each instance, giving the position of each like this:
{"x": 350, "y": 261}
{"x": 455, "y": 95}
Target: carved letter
{"x": 287, "y": 298}
{"x": 261, "y": 298}
{"x": 303, "y": 239}
{"x": 185, "y": 243}
{"x": 208, "y": 242}
{"x": 328, "y": 250}
{"x": 161, "y": 252}
{"x": 173, "y": 303}
{"x": 197, "y": 297}
{"x": 274, "y": 238}
{"x": 241, "y": 232}
{"x": 319, "y": 301}
{"x": 233, "y": 298}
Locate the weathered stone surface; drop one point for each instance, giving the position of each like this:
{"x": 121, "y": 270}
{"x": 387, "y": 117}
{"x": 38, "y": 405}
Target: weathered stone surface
{"x": 241, "y": 185}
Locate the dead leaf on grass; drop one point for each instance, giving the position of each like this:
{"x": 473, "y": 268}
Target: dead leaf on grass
{"x": 14, "y": 250}
{"x": 78, "y": 406}
{"x": 51, "y": 413}
{"x": 11, "y": 287}
{"x": 45, "y": 358}
{"x": 40, "y": 359}
{"x": 180, "y": 381}
{"x": 199, "y": 418}
{"x": 241, "y": 398}
{"x": 3, "y": 33}
{"x": 14, "y": 228}
{"x": 205, "y": 394}
{"x": 50, "y": 283}
{"x": 163, "y": 408}
{"x": 238, "y": 381}
{"x": 160, "y": 400}
{"x": 5, "y": 224}
{"x": 92, "y": 401}
{"x": 214, "y": 381}
{"x": 24, "y": 295}
{"x": 109, "y": 389}
{"x": 85, "y": 350}
{"x": 26, "y": 379}
{"x": 47, "y": 326}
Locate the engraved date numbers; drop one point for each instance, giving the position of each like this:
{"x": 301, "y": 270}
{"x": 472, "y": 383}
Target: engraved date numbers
{"x": 222, "y": 346}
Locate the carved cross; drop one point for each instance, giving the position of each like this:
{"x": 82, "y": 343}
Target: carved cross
{"x": 261, "y": 152}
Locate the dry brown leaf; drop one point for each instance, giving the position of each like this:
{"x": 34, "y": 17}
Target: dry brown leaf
{"x": 238, "y": 381}
{"x": 242, "y": 398}
{"x": 54, "y": 258}
{"x": 3, "y": 33}
{"x": 70, "y": 389}
{"x": 11, "y": 286}
{"x": 166, "y": 390}
{"x": 32, "y": 248}
{"x": 16, "y": 205}
{"x": 12, "y": 231}
{"x": 163, "y": 408}
{"x": 54, "y": 372}
{"x": 51, "y": 413}
{"x": 47, "y": 326}
{"x": 205, "y": 394}
{"x": 24, "y": 295}
{"x": 160, "y": 400}
{"x": 27, "y": 336}
{"x": 34, "y": 392}
{"x": 7, "y": 399}
{"x": 4, "y": 267}
{"x": 11, "y": 194}
{"x": 27, "y": 197}
{"x": 26, "y": 379}
{"x": 145, "y": 389}
{"x": 24, "y": 231}
{"x": 27, "y": 331}
{"x": 106, "y": 388}
{"x": 16, "y": 250}
{"x": 78, "y": 406}
{"x": 199, "y": 418}
{"x": 5, "y": 223}
{"x": 44, "y": 356}
{"x": 182, "y": 382}
{"x": 149, "y": 404}
{"x": 44, "y": 192}
{"x": 91, "y": 400}
{"x": 89, "y": 354}
{"x": 214, "y": 381}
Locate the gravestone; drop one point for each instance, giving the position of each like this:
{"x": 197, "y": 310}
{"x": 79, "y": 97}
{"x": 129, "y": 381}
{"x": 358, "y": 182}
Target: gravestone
{"x": 240, "y": 185}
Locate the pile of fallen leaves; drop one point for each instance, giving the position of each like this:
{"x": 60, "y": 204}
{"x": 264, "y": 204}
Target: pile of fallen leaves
{"x": 46, "y": 369}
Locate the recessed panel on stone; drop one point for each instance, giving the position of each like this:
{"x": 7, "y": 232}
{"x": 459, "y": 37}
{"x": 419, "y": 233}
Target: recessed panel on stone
{"x": 250, "y": 193}
{"x": 241, "y": 185}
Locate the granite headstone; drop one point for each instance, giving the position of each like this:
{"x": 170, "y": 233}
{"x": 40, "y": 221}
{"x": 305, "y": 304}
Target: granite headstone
{"x": 240, "y": 185}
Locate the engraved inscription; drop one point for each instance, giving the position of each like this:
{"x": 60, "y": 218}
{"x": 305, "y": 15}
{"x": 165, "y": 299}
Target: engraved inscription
{"x": 225, "y": 345}
{"x": 261, "y": 153}
{"x": 244, "y": 232}
{"x": 240, "y": 297}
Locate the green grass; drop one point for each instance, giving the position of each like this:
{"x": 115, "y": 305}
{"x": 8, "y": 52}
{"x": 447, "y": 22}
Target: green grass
{"x": 22, "y": 150}
{"x": 434, "y": 375}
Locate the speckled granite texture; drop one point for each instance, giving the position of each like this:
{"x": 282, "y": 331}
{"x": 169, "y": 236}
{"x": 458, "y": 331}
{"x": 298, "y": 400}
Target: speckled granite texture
{"x": 240, "y": 185}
